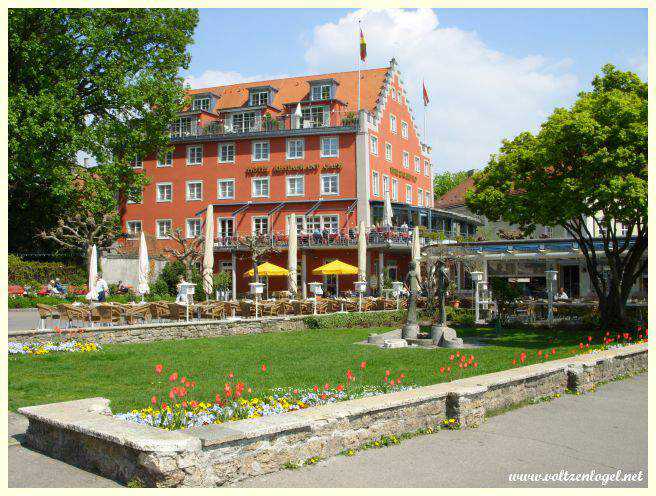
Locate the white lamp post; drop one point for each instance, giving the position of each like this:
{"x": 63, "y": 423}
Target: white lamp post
{"x": 257, "y": 288}
{"x": 477, "y": 277}
{"x": 316, "y": 289}
{"x": 551, "y": 276}
{"x": 397, "y": 288}
{"x": 360, "y": 287}
{"x": 188, "y": 288}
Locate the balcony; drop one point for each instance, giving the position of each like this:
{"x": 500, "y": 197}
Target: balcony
{"x": 257, "y": 126}
{"x": 393, "y": 238}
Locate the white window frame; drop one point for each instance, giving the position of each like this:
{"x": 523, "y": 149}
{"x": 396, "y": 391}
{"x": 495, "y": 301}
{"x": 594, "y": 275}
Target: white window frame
{"x": 137, "y": 163}
{"x": 199, "y": 103}
{"x": 386, "y": 184}
{"x": 388, "y": 151}
{"x": 261, "y": 178}
{"x": 261, "y": 142}
{"x": 218, "y": 188}
{"x": 168, "y": 160}
{"x": 259, "y": 101}
{"x": 420, "y": 197}
{"x": 321, "y": 184}
{"x": 287, "y": 183}
{"x": 426, "y": 168}
{"x": 260, "y": 217}
{"x": 375, "y": 183}
{"x": 219, "y": 153}
{"x": 428, "y": 201}
{"x": 334, "y": 226}
{"x": 188, "y": 155}
{"x": 187, "y": 231}
{"x": 187, "y": 190}
{"x": 329, "y": 155}
{"x": 406, "y": 160}
{"x": 395, "y": 190}
{"x": 373, "y": 144}
{"x": 157, "y": 196}
{"x": 404, "y": 129}
{"x": 219, "y": 231}
{"x": 417, "y": 164}
{"x": 288, "y": 147}
{"x": 408, "y": 194}
{"x": 157, "y": 231}
{"x": 321, "y": 88}
{"x": 131, "y": 232}
{"x": 393, "y": 124}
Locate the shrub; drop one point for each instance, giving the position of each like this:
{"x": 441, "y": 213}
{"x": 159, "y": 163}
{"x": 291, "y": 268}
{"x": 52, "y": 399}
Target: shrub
{"x": 170, "y": 276}
{"x": 460, "y": 316}
{"x": 37, "y": 274}
{"x": 31, "y": 301}
{"x": 355, "y": 319}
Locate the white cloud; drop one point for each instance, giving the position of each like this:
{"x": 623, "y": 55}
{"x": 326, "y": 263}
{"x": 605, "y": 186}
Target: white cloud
{"x": 639, "y": 65}
{"x": 220, "y": 78}
{"x": 478, "y": 95}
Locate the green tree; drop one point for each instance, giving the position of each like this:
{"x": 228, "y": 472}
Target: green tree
{"x": 446, "y": 181}
{"x": 101, "y": 81}
{"x": 586, "y": 170}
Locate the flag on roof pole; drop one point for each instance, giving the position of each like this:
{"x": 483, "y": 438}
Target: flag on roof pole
{"x": 426, "y": 100}
{"x": 363, "y": 47}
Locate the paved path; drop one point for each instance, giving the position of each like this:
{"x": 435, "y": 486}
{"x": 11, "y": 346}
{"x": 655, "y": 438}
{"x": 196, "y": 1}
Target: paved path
{"x": 604, "y": 431}
{"x": 21, "y": 320}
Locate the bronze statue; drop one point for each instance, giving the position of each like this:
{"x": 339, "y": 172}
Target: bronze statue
{"x": 411, "y": 327}
{"x": 443, "y": 286}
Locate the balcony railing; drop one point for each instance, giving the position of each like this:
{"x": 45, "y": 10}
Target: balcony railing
{"x": 375, "y": 237}
{"x": 258, "y": 124}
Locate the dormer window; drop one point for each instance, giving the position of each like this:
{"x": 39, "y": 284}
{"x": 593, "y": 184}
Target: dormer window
{"x": 259, "y": 98}
{"x": 321, "y": 92}
{"x": 201, "y": 104}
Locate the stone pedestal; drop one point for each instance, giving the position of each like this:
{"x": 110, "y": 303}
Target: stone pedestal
{"x": 410, "y": 331}
{"x": 445, "y": 337}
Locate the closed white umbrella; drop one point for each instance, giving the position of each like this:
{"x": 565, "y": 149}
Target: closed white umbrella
{"x": 292, "y": 248}
{"x": 362, "y": 252}
{"x": 208, "y": 256}
{"x": 144, "y": 267}
{"x": 416, "y": 251}
{"x": 298, "y": 114}
{"x": 387, "y": 211}
{"x": 93, "y": 273}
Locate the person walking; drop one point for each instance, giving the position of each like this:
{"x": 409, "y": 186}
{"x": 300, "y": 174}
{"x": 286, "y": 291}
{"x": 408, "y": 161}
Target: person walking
{"x": 102, "y": 289}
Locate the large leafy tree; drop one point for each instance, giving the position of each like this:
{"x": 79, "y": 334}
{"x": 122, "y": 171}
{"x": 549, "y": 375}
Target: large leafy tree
{"x": 586, "y": 170}
{"x": 446, "y": 181}
{"x": 101, "y": 81}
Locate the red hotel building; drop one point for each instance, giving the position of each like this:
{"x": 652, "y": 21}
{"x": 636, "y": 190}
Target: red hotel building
{"x": 243, "y": 149}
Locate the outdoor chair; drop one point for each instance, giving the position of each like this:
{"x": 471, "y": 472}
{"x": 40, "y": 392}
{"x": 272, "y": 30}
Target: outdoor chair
{"x": 74, "y": 313}
{"x": 178, "y": 311}
{"x": 134, "y": 313}
{"x": 160, "y": 310}
{"x": 332, "y": 305}
{"x": 285, "y": 307}
{"x": 47, "y": 312}
{"x": 108, "y": 314}
{"x": 322, "y": 307}
{"x": 247, "y": 309}
{"x": 231, "y": 308}
{"x": 213, "y": 311}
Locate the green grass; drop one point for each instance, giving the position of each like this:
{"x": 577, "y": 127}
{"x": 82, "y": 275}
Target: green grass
{"x": 125, "y": 373}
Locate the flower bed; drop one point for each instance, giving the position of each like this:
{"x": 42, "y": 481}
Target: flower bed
{"x": 71, "y": 346}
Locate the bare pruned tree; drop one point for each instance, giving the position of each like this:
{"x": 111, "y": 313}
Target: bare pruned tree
{"x": 188, "y": 251}
{"x": 258, "y": 246}
{"x": 81, "y": 231}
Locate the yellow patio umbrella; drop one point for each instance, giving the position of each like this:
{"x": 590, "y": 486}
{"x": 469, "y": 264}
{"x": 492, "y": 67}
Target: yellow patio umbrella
{"x": 267, "y": 269}
{"x": 336, "y": 268}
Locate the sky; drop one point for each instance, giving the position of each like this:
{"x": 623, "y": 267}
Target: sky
{"x": 490, "y": 73}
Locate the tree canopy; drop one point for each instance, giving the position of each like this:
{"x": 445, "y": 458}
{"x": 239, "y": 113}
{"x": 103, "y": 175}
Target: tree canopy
{"x": 100, "y": 81}
{"x": 446, "y": 181}
{"x": 586, "y": 170}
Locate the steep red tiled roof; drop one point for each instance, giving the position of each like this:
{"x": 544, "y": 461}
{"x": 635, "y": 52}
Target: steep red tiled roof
{"x": 455, "y": 196}
{"x": 295, "y": 89}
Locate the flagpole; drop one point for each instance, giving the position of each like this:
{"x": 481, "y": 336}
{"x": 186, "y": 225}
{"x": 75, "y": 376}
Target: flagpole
{"x": 360, "y": 29}
{"x": 423, "y": 82}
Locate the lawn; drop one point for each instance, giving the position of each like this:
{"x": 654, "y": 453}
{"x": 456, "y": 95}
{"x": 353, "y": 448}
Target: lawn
{"x": 126, "y": 373}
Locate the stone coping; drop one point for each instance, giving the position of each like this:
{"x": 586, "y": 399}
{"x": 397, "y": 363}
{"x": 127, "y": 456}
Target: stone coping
{"x": 151, "y": 325}
{"x": 221, "y": 453}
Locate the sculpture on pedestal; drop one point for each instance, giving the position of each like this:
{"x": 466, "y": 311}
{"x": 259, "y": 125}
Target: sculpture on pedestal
{"x": 411, "y": 328}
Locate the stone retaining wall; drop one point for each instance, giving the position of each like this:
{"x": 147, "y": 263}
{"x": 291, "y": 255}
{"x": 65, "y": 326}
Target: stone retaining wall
{"x": 143, "y": 333}
{"x": 83, "y": 432}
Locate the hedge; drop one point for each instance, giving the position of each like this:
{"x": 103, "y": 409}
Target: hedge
{"x": 356, "y": 319}
{"x": 37, "y": 274}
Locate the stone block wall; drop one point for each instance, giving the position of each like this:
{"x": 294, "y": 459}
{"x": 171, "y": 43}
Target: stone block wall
{"x": 82, "y": 432}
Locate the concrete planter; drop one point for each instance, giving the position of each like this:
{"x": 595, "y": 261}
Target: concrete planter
{"x": 84, "y": 433}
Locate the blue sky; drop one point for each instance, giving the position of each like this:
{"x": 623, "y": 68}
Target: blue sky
{"x": 491, "y": 72}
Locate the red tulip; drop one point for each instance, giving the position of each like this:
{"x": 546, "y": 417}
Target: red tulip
{"x": 326, "y": 386}
{"x": 188, "y": 384}
{"x": 385, "y": 378}
{"x": 193, "y": 404}
{"x": 402, "y": 376}
{"x": 173, "y": 377}
{"x": 463, "y": 358}
{"x": 231, "y": 375}
{"x": 589, "y": 338}
{"x": 387, "y": 372}
{"x": 184, "y": 404}
{"x": 217, "y": 399}
{"x": 448, "y": 369}
{"x": 475, "y": 364}
{"x": 471, "y": 357}
{"x": 295, "y": 391}
{"x": 451, "y": 357}
{"x": 392, "y": 382}
{"x": 164, "y": 406}
{"x": 441, "y": 370}
{"x": 183, "y": 380}
{"x": 553, "y": 351}
{"x": 540, "y": 353}
{"x": 457, "y": 353}
{"x": 363, "y": 365}
{"x": 316, "y": 389}
{"x": 153, "y": 400}
{"x": 158, "y": 368}
{"x": 323, "y": 396}
{"x": 340, "y": 387}
{"x": 466, "y": 364}
{"x": 264, "y": 367}
{"x": 514, "y": 362}
{"x": 171, "y": 395}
